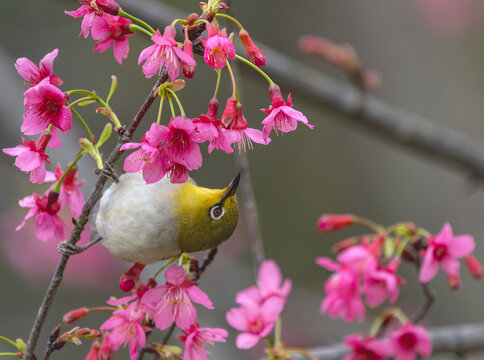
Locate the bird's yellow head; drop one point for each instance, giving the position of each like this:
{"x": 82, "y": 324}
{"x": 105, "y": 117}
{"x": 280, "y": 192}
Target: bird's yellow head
{"x": 205, "y": 217}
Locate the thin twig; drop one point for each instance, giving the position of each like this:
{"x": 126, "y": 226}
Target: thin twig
{"x": 429, "y": 301}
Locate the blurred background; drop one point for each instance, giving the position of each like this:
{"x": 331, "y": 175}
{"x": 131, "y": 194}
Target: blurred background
{"x": 430, "y": 55}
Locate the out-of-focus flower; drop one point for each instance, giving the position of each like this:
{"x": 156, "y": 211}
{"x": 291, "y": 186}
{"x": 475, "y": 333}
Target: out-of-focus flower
{"x": 333, "y": 222}
{"x": 173, "y": 301}
{"x": 196, "y": 338}
{"x": 33, "y": 74}
{"x": 444, "y": 250}
{"x": 164, "y": 51}
{"x": 474, "y": 266}
{"x": 70, "y": 194}
{"x": 366, "y": 348}
{"x": 217, "y": 47}
{"x": 90, "y": 9}
{"x": 380, "y": 284}
{"x": 45, "y": 104}
{"x": 112, "y": 29}
{"x": 410, "y": 340}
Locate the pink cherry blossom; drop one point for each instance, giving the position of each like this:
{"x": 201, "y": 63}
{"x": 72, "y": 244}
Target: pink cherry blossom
{"x": 380, "y": 284}
{"x": 45, "y": 105}
{"x": 358, "y": 258}
{"x": 196, "y": 338}
{"x": 270, "y": 281}
{"x": 164, "y": 51}
{"x": 90, "y": 9}
{"x": 70, "y": 194}
{"x": 111, "y": 28}
{"x": 255, "y": 320}
{"x": 31, "y": 157}
{"x": 180, "y": 142}
{"x": 255, "y": 55}
{"x": 217, "y": 47}
{"x": 33, "y": 74}
{"x": 444, "y": 250}
{"x": 173, "y": 301}
{"x": 281, "y": 116}
{"x": 149, "y": 158}
{"x": 126, "y": 328}
{"x": 106, "y": 350}
{"x": 366, "y": 348}
{"x": 47, "y": 224}
{"x": 410, "y": 340}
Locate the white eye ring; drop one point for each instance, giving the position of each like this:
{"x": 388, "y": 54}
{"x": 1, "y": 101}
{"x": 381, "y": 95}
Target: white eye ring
{"x": 217, "y": 212}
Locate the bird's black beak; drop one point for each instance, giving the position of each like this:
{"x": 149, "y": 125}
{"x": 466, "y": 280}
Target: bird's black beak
{"x": 232, "y": 188}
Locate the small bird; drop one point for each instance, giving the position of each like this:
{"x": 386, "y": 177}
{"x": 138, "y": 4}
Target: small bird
{"x": 145, "y": 223}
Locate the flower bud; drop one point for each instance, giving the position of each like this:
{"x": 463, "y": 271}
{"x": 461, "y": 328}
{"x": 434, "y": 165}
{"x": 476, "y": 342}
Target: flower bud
{"x": 94, "y": 351}
{"x": 474, "y": 266}
{"x": 255, "y": 55}
{"x": 75, "y": 315}
{"x": 453, "y": 281}
{"x": 333, "y": 222}
{"x": 130, "y": 278}
{"x": 188, "y": 71}
{"x": 228, "y": 115}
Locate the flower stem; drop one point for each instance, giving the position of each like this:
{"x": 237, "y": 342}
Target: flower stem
{"x": 165, "y": 265}
{"x": 171, "y": 107}
{"x": 134, "y": 27}
{"x": 369, "y": 224}
{"x": 158, "y": 119}
{"x": 8, "y": 340}
{"x": 9, "y": 354}
{"x": 217, "y": 86}
{"x": 134, "y": 18}
{"x": 58, "y": 184}
{"x": 278, "y": 333}
{"x": 270, "y": 351}
{"x": 91, "y": 137}
{"x": 86, "y": 98}
{"x": 231, "y": 19}
{"x": 232, "y": 77}
{"x": 255, "y": 67}
{"x": 182, "y": 112}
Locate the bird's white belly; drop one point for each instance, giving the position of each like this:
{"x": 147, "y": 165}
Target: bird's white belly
{"x": 136, "y": 220}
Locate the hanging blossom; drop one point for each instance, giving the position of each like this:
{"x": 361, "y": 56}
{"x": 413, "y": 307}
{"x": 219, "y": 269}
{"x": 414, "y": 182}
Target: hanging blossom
{"x": 31, "y": 157}
{"x": 410, "y": 340}
{"x": 210, "y": 129}
{"x": 260, "y": 306}
{"x": 188, "y": 69}
{"x": 366, "y": 348}
{"x": 444, "y": 250}
{"x": 33, "y": 74}
{"x": 45, "y": 104}
{"x": 112, "y": 29}
{"x": 254, "y": 54}
{"x": 218, "y": 47}
{"x": 164, "y": 51}
{"x": 69, "y": 194}
{"x": 196, "y": 338}
{"x": 149, "y": 159}
{"x": 126, "y": 328}
{"x": 281, "y": 116}
{"x": 172, "y": 302}
{"x": 44, "y": 208}
{"x": 90, "y": 9}
{"x": 238, "y": 129}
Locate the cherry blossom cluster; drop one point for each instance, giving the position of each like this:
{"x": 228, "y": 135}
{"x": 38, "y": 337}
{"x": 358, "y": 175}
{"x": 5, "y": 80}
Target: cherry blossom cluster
{"x": 365, "y": 273}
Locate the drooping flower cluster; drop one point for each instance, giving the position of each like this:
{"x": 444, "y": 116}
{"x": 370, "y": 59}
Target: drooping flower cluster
{"x": 259, "y": 306}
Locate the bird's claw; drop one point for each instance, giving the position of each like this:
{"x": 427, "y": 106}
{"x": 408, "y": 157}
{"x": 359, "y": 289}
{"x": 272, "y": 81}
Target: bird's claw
{"x": 68, "y": 249}
{"x": 108, "y": 172}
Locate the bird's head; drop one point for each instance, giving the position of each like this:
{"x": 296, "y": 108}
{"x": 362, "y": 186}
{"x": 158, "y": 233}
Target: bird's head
{"x": 205, "y": 217}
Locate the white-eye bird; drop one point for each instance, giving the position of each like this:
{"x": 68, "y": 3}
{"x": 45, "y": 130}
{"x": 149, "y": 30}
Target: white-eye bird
{"x": 144, "y": 223}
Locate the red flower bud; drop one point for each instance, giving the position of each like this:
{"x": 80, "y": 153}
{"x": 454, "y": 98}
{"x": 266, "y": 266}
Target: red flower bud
{"x": 74, "y": 315}
{"x": 130, "y": 278}
{"x": 188, "y": 71}
{"x": 333, "y": 222}
{"x": 453, "y": 281}
{"x": 255, "y": 55}
{"x": 474, "y": 266}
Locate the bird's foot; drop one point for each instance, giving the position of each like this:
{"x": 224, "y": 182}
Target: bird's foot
{"x": 68, "y": 249}
{"x": 108, "y": 172}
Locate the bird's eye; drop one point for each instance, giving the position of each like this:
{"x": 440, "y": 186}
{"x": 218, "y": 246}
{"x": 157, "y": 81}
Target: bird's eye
{"x": 217, "y": 212}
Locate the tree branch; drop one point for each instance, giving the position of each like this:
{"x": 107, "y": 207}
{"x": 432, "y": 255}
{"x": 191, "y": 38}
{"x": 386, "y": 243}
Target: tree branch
{"x": 446, "y": 339}
{"x": 398, "y": 126}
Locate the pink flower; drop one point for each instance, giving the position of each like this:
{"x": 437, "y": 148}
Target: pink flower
{"x": 173, "y": 301}
{"x": 380, "y": 284}
{"x": 281, "y": 116}
{"x": 126, "y": 328}
{"x": 238, "y": 129}
{"x": 93, "y": 351}
{"x": 106, "y": 349}
{"x": 111, "y": 28}
{"x": 270, "y": 281}
{"x": 89, "y": 9}
{"x": 332, "y": 222}
{"x": 358, "y": 259}
{"x": 164, "y": 51}
{"x": 255, "y": 55}
{"x": 366, "y": 348}
{"x": 33, "y": 74}
{"x": 31, "y": 157}
{"x": 180, "y": 142}
{"x": 47, "y": 224}
{"x": 217, "y": 47}
{"x": 443, "y": 250}
{"x": 149, "y": 158}
{"x": 255, "y": 320}
{"x": 70, "y": 194}
{"x": 409, "y": 340}
{"x": 45, "y": 104}
{"x": 196, "y": 338}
